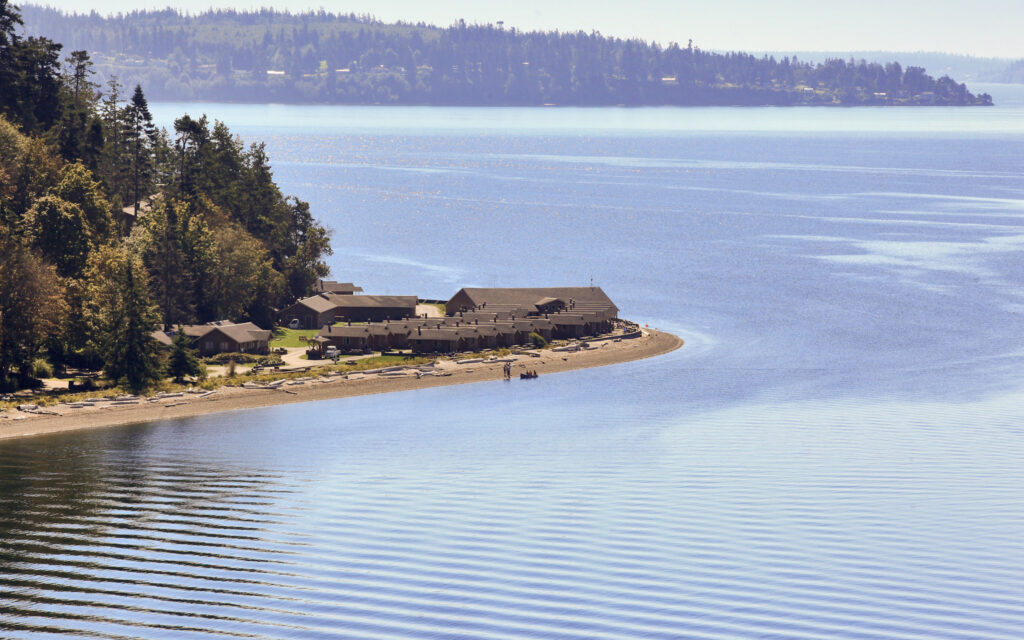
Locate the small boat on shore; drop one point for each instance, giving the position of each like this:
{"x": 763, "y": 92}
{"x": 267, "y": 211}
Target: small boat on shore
{"x": 529, "y": 375}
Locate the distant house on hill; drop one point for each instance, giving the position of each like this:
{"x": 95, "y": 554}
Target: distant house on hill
{"x": 221, "y": 337}
{"x": 129, "y": 215}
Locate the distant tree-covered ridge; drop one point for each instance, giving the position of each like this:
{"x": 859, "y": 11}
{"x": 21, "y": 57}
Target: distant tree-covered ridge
{"x": 270, "y": 56}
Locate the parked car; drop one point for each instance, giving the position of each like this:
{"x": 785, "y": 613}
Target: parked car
{"x": 331, "y": 352}
{"x": 294, "y": 323}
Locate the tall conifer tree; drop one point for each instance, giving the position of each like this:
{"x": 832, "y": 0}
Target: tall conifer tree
{"x": 140, "y": 135}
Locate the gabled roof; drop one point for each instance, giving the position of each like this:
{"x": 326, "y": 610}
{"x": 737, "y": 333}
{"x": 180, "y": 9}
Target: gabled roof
{"x": 145, "y": 206}
{"x": 242, "y": 332}
{"x": 503, "y": 299}
{"x": 330, "y": 286}
{"x": 346, "y": 331}
{"x": 568, "y": 320}
{"x": 435, "y": 334}
{"x": 318, "y": 303}
{"x": 533, "y": 323}
{"x": 162, "y": 337}
{"x": 364, "y": 302}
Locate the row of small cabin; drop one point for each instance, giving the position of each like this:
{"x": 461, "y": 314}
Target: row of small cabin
{"x": 477, "y": 319}
{"x": 485, "y": 319}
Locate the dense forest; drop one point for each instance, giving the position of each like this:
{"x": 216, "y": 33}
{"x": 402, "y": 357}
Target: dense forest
{"x": 965, "y": 68}
{"x": 270, "y": 56}
{"x": 110, "y": 227}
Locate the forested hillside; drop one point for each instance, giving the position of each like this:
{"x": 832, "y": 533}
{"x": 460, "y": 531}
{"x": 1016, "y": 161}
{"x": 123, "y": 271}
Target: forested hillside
{"x": 322, "y": 57}
{"x": 82, "y": 281}
{"x": 964, "y": 68}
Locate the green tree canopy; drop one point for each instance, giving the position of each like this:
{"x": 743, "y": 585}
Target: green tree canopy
{"x": 123, "y": 318}
{"x": 60, "y": 232}
{"x": 31, "y": 306}
{"x": 76, "y": 185}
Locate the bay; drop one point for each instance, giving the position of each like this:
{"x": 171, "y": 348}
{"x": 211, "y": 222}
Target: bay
{"x": 835, "y": 453}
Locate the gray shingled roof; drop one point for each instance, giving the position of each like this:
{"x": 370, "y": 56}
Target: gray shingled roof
{"x": 346, "y": 331}
{"x": 242, "y": 332}
{"x": 388, "y": 302}
{"x": 529, "y": 297}
{"x": 318, "y": 303}
{"x": 331, "y": 286}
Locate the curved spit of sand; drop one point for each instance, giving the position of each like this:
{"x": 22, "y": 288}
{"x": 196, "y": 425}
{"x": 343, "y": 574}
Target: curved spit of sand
{"x": 447, "y": 372}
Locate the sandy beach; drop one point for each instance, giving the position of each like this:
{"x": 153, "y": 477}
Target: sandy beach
{"x": 447, "y": 372}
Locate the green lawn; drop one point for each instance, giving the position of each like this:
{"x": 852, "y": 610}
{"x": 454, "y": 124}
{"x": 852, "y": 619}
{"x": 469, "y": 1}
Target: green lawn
{"x": 290, "y": 337}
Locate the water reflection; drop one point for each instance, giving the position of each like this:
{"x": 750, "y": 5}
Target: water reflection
{"x": 98, "y": 532}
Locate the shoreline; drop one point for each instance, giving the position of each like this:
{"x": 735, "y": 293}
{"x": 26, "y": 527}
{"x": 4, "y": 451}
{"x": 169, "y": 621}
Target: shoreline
{"x": 652, "y": 343}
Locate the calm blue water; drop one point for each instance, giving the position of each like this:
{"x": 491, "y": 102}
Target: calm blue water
{"x": 838, "y": 452}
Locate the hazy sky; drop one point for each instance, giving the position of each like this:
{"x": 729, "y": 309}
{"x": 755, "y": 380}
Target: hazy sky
{"x": 978, "y": 27}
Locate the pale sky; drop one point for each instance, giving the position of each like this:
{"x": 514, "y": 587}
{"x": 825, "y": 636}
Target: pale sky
{"x": 986, "y": 28}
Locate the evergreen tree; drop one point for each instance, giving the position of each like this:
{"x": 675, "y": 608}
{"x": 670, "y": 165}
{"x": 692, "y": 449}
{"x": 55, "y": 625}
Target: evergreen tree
{"x": 36, "y": 90}
{"x": 10, "y": 20}
{"x": 130, "y": 354}
{"x": 139, "y": 137}
{"x": 182, "y": 361}
{"x": 113, "y": 169}
{"x": 80, "y": 67}
{"x": 157, "y": 240}
{"x": 191, "y": 137}
{"x": 75, "y": 123}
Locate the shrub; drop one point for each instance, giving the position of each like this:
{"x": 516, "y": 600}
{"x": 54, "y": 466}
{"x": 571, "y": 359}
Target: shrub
{"x": 538, "y": 340}
{"x": 82, "y": 384}
{"x": 42, "y": 369}
{"x": 239, "y": 358}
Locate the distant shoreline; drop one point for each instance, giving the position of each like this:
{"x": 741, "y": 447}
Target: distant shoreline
{"x": 652, "y": 343}
{"x": 161, "y": 100}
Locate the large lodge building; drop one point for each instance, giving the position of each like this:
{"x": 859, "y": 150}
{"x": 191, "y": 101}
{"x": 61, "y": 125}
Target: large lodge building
{"x": 483, "y": 319}
{"x": 477, "y": 319}
{"x": 328, "y": 307}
